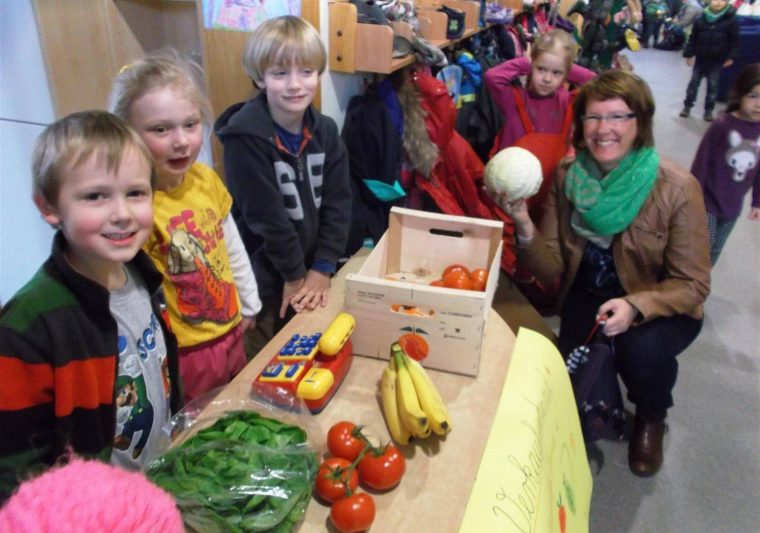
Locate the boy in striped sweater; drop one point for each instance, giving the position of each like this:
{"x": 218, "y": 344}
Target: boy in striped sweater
{"x": 88, "y": 364}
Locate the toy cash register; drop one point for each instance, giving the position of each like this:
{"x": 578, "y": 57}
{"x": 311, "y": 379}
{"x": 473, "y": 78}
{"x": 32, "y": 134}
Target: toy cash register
{"x": 310, "y": 367}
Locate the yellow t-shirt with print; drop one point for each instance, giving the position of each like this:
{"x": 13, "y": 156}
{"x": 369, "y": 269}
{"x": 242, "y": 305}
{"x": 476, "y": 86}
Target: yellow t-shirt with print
{"x": 187, "y": 246}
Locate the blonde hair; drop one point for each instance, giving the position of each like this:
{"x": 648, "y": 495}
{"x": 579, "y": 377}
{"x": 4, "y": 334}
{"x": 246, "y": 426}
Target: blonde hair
{"x": 282, "y": 40}
{"x": 557, "y": 42}
{"x": 72, "y": 140}
{"x": 165, "y": 68}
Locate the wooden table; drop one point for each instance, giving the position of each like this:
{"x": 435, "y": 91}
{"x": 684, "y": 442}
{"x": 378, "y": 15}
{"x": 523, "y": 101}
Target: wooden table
{"x": 440, "y": 472}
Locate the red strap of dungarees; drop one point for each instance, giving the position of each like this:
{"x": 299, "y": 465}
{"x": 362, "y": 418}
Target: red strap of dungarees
{"x": 528, "y": 124}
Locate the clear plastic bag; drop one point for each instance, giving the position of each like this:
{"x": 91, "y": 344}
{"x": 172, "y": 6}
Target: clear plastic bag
{"x": 238, "y": 465}
{"x": 205, "y": 409}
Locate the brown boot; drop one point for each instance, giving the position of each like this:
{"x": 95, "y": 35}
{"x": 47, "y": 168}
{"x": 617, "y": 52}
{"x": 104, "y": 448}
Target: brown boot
{"x": 645, "y": 446}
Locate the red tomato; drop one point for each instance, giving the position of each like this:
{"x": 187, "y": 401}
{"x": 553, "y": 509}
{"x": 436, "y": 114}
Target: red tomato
{"x": 353, "y": 514}
{"x": 332, "y": 479}
{"x": 479, "y": 278}
{"x": 437, "y": 283}
{"x": 344, "y": 441}
{"x": 455, "y": 268}
{"x": 457, "y": 279}
{"x": 383, "y": 471}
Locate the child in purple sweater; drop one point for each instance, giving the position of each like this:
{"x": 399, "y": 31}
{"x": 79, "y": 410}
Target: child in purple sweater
{"x": 726, "y": 163}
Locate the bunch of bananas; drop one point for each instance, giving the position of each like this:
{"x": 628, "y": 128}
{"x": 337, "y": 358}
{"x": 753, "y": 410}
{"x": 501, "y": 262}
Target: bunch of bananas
{"x": 411, "y": 403}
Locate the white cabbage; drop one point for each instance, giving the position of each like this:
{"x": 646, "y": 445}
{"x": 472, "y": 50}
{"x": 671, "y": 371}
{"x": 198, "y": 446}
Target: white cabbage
{"x": 514, "y": 171}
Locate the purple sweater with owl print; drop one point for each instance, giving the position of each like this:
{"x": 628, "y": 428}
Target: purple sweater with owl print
{"x": 727, "y": 165}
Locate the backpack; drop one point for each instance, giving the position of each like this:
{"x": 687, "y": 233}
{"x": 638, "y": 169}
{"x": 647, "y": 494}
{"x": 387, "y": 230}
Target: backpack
{"x": 597, "y": 392}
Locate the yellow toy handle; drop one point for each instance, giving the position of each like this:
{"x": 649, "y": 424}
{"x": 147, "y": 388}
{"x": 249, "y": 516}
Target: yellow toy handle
{"x": 336, "y": 334}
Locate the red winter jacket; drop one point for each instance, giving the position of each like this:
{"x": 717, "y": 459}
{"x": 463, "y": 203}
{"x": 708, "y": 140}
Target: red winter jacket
{"x": 456, "y": 182}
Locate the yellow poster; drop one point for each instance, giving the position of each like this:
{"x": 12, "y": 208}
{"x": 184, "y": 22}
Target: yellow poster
{"x": 534, "y": 475}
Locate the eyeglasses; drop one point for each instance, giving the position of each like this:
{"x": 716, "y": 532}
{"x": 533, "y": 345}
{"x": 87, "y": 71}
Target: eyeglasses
{"x": 615, "y": 120}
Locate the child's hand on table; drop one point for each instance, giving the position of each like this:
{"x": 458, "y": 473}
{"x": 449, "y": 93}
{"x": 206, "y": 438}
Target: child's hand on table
{"x": 313, "y": 292}
{"x": 289, "y": 290}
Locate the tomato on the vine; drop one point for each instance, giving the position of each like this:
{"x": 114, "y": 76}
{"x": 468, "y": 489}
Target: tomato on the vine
{"x": 353, "y": 514}
{"x": 333, "y": 482}
{"x": 384, "y": 470}
{"x": 344, "y": 440}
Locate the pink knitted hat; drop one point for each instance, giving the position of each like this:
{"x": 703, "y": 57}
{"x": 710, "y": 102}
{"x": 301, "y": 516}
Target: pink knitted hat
{"x": 90, "y": 496}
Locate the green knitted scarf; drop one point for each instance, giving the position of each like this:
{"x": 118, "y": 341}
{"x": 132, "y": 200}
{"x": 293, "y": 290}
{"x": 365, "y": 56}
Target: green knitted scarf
{"x": 711, "y": 16}
{"x": 608, "y": 204}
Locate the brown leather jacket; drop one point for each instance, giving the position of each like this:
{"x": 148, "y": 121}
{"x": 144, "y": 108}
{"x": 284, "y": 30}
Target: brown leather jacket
{"x": 662, "y": 258}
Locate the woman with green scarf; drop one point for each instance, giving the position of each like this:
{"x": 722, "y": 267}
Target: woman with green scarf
{"x": 626, "y": 232}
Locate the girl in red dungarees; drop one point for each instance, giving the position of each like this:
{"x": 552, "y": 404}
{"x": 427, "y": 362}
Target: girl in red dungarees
{"x": 538, "y": 118}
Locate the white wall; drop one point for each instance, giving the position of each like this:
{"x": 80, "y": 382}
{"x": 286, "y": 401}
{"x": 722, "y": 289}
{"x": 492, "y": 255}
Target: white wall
{"x": 337, "y": 90}
{"x": 25, "y": 109}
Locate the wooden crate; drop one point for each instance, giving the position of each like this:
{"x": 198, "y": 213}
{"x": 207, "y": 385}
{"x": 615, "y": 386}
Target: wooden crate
{"x": 420, "y": 245}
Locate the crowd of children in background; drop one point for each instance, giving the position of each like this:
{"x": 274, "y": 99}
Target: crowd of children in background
{"x": 98, "y": 366}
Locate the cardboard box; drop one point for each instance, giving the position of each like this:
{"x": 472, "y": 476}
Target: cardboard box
{"x": 420, "y": 245}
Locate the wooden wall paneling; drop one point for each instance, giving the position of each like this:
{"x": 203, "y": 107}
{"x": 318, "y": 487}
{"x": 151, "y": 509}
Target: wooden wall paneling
{"x": 227, "y": 82}
{"x": 223, "y": 56}
{"x": 222, "y": 60}
{"x": 310, "y": 12}
{"x": 434, "y": 4}
{"x": 180, "y": 28}
{"x": 125, "y": 46}
{"x": 433, "y": 25}
{"x": 341, "y": 46}
{"x": 515, "y": 5}
{"x": 143, "y": 21}
{"x": 374, "y": 45}
{"x": 86, "y": 42}
{"x": 74, "y": 37}
{"x": 355, "y": 47}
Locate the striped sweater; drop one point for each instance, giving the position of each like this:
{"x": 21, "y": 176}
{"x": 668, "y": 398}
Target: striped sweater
{"x": 58, "y": 365}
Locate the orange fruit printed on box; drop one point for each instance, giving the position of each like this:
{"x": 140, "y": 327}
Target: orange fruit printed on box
{"x": 414, "y": 345}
